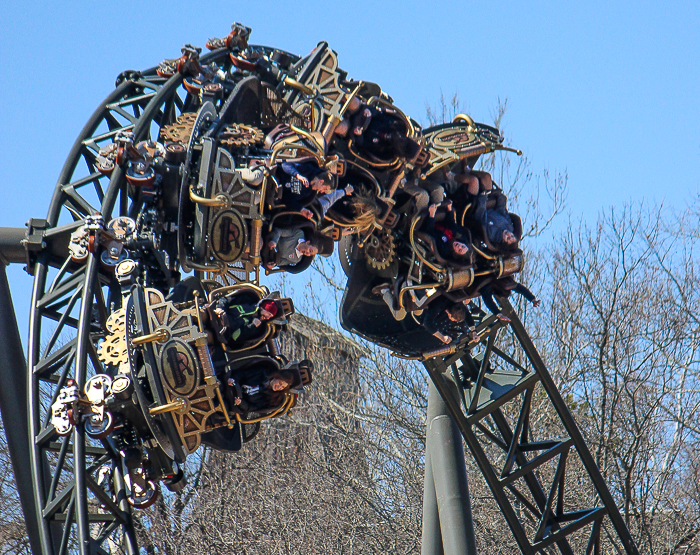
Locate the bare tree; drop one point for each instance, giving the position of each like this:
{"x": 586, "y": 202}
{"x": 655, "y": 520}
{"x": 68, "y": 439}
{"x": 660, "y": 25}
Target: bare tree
{"x": 621, "y": 333}
{"x": 13, "y": 534}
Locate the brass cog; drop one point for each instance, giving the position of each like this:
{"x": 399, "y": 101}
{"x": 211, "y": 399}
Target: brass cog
{"x": 380, "y": 250}
{"x": 116, "y": 321}
{"x": 181, "y": 130}
{"x": 114, "y": 350}
{"x": 238, "y": 135}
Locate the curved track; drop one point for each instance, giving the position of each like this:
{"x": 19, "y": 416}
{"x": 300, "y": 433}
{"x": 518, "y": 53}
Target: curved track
{"x": 76, "y": 478}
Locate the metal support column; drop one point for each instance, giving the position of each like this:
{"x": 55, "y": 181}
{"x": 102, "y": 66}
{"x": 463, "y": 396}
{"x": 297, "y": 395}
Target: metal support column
{"x": 13, "y": 404}
{"x": 447, "y": 516}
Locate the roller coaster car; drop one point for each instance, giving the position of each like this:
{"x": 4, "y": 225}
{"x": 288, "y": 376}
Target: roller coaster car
{"x": 222, "y": 437}
{"x": 161, "y": 394}
{"x": 218, "y": 212}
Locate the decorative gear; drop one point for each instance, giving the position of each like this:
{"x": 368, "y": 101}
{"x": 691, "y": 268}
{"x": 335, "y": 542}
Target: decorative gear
{"x": 240, "y": 135}
{"x": 114, "y": 350}
{"x": 181, "y": 130}
{"x": 117, "y": 321}
{"x": 380, "y": 250}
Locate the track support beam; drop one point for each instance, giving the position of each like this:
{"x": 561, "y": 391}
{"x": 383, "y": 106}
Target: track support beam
{"x": 13, "y": 406}
{"x": 448, "y": 527}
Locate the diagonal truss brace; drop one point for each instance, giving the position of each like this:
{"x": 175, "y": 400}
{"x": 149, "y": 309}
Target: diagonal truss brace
{"x": 476, "y": 389}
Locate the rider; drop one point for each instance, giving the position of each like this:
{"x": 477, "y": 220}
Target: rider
{"x": 496, "y": 221}
{"x": 292, "y": 245}
{"x": 301, "y": 181}
{"x": 234, "y": 324}
{"x": 448, "y": 320}
{"x": 255, "y": 389}
{"x": 449, "y": 237}
{"x": 328, "y": 200}
{"x": 504, "y": 287}
{"x": 476, "y": 181}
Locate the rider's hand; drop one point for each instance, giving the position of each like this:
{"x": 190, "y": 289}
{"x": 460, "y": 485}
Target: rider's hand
{"x": 272, "y": 245}
{"x": 304, "y": 181}
{"x": 432, "y": 209}
{"x": 357, "y": 130}
{"x": 256, "y": 322}
{"x": 308, "y": 214}
{"x": 448, "y": 205}
{"x": 536, "y": 302}
{"x": 237, "y": 401}
{"x": 349, "y": 189}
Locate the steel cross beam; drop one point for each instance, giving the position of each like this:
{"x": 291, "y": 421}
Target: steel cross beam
{"x": 527, "y": 476}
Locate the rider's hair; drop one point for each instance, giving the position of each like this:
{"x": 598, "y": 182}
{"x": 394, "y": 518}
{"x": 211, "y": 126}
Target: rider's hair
{"x": 325, "y": 177}
{"x": 458, "y": 311}
{"x": 364, "y": 209}
{"x": 284, "y": 375}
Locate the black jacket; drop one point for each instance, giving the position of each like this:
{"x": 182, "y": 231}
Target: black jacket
{"x": 435, "y": 319}
{"x": 252, "y": 387}
{"x": 445, "y": 233}
{"x": 239, "y": 326}
{"x": 296, "y": 195}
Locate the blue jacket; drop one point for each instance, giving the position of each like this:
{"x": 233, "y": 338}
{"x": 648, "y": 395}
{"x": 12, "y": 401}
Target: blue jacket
{"x": 496, "y": 220}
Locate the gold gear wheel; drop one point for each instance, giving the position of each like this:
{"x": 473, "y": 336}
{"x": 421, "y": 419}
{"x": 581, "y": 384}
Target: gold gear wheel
{"x": 380, "y": 250}
{"x": 114, "y": 349}
{"x": 116, "y": 321}
{"x": 238, "y": 135}
{"x": 181, "y": 130}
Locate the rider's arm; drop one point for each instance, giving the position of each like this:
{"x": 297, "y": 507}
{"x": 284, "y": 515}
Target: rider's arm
{"x": 275, "y": 236}
{"x": 290, "y": 168}
{"x": 520, "y": 289}
{"x": 490, "y": 302}
{"x": 326, "y": 201}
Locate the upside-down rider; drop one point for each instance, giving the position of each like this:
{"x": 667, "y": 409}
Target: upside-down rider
{"x": 301, "y": 182}
{"x": 235, "y": 323}
{"x": 500, "y": 231}
{"x": 450, "y": 238}
{"x": 259, "y": 388}
{"x": 255, "y": 389}
{"x": 448, "y": 320}
{"x": 291, "y": 245}
{"x": 504, "y": 287}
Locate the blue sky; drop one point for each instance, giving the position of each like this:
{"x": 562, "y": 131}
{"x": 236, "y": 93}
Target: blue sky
{"x": 607, "y": 91}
